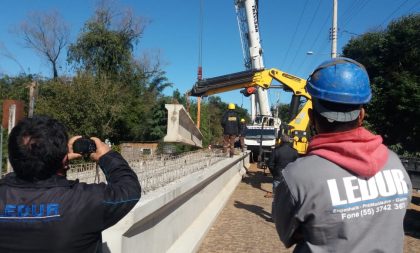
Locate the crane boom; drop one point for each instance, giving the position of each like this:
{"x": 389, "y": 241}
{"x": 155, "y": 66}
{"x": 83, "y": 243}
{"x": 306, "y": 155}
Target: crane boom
{"x": 247, "y": 16}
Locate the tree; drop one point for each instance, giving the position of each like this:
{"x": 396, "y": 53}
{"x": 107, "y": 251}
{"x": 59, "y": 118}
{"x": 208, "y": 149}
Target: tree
{"x": 106, "y": 45}
{"x": 391, "y": 59}
{"x": 87, "y": 105}
{"x": 15, "y": 88}
{"x": 47, "y": 34}
{"x": 104, "y": 50}
{"x": 284, "y": 113}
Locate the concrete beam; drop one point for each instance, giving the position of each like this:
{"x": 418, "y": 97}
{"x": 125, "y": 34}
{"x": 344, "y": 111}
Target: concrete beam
{"x": 176, "y": 218}
{"x": 181, "y": 128}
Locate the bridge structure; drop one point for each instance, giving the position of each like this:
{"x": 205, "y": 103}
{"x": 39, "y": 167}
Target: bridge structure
{"x": 181, "y": 198}
{"x": 181, "y": 194}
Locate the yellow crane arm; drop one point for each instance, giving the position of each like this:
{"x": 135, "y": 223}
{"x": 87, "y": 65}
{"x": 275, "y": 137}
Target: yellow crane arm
{"x": 252, "y": 78}
{"x": 297, "y": 127}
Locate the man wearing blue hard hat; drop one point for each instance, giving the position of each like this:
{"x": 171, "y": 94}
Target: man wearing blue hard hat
{"x": 350, "y": 193}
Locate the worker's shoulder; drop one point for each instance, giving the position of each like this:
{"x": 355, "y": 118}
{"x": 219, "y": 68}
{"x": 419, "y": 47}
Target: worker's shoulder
{"x": 308, "y": 167}
{"x": 393, "y": 159}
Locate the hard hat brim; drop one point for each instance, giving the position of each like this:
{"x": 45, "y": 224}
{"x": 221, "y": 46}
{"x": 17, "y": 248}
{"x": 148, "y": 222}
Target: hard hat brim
{"x": 332, "y": 115}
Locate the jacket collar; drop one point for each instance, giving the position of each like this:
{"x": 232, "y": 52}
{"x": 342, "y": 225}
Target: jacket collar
{"x": 55, "y": 181}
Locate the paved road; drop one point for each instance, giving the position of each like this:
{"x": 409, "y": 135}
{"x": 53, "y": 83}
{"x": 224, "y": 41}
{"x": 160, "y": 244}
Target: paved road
{"x": 245, "y": 225}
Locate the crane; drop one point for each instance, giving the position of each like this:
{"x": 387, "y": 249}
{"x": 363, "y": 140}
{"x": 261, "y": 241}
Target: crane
{"x": 247, "y": 17}
{"x": 300, "y": 104}
{"x": 261, "y": 136}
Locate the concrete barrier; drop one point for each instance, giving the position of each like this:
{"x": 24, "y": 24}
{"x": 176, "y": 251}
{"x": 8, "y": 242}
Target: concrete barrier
{"x": 181, "y": 128}
{"x": 177, "y": 217}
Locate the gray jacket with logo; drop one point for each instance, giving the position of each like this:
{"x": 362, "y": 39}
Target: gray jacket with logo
{"x": 321, "y": 207}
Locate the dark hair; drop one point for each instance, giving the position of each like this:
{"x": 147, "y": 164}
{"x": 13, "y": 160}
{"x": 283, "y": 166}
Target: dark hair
{"x": 37, "y": 147}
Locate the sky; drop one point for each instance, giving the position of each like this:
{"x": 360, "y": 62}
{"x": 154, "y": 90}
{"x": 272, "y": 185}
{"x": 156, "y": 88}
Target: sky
{"x": 288, "y": 30}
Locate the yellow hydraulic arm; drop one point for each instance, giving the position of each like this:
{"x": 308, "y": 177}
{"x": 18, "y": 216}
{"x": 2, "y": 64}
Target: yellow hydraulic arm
{"x": 297, "y": 127}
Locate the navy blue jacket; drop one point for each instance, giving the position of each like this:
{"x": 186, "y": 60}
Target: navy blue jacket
{"x": 230, "y": 123}
{"x": 242, "y": 129}
{"x": 281, "y": 156}
{"x": 60, "y": 215}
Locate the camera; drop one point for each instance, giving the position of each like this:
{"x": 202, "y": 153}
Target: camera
{"x": 84, "y": 146}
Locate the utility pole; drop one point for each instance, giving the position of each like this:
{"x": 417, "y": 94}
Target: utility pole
{"x": 32, "y": 87}
{"x": 1, "y": 151}
{"x": 11, "y": 124}
{"x": 334, "y": 31}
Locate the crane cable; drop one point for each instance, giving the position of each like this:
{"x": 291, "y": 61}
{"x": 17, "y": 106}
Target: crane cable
{"x": 200, "y": 59}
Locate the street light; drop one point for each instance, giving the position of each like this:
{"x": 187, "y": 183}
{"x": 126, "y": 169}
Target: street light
{"x": 312, "y": 53}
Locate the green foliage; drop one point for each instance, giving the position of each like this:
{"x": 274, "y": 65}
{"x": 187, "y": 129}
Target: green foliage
{"x": 284, "y": 113}
{"x": 12, "y": 88}
{"x": 133, "y": 108}
{"x": 87, "y": 106}
{"x": 103, "y": 49}
{"x": 391, "y": 58}
{"x": 212, "y": 110}
{"x": 178, "y": 98}
{"x": 4, "y": 150}
{"x": 112, "y": 95}
{"x": 15, "y": 88}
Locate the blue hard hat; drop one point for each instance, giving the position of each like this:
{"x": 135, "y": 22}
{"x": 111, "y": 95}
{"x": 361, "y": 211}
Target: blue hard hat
{"x": 340, "y": 80}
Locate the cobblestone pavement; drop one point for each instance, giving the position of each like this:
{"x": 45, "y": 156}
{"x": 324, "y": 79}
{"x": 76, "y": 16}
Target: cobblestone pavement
{"x": 245, "y": 224}
{"x": 412, "y": 225}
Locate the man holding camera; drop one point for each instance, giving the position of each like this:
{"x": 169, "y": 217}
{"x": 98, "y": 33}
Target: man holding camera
{"x": 42, "y": 211}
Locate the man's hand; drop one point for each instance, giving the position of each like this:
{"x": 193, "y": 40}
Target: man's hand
{"x": 101, "y": 149}
{"x": 71, "y": 155}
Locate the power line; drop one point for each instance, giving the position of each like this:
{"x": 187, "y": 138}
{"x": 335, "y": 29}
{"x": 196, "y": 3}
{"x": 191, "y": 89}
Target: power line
{"x": 352, "y": 11}
{"x": 414, "y": 6}
{"x": 390, "y": 15}
{"x": 349, "y": 9}
{"x": 320, "y": 31}
{"x": 294, "y": 34}
{"x": 356, "y": 11}
{"x": 318, "y": 35}
{"x": 306, "y": 32}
